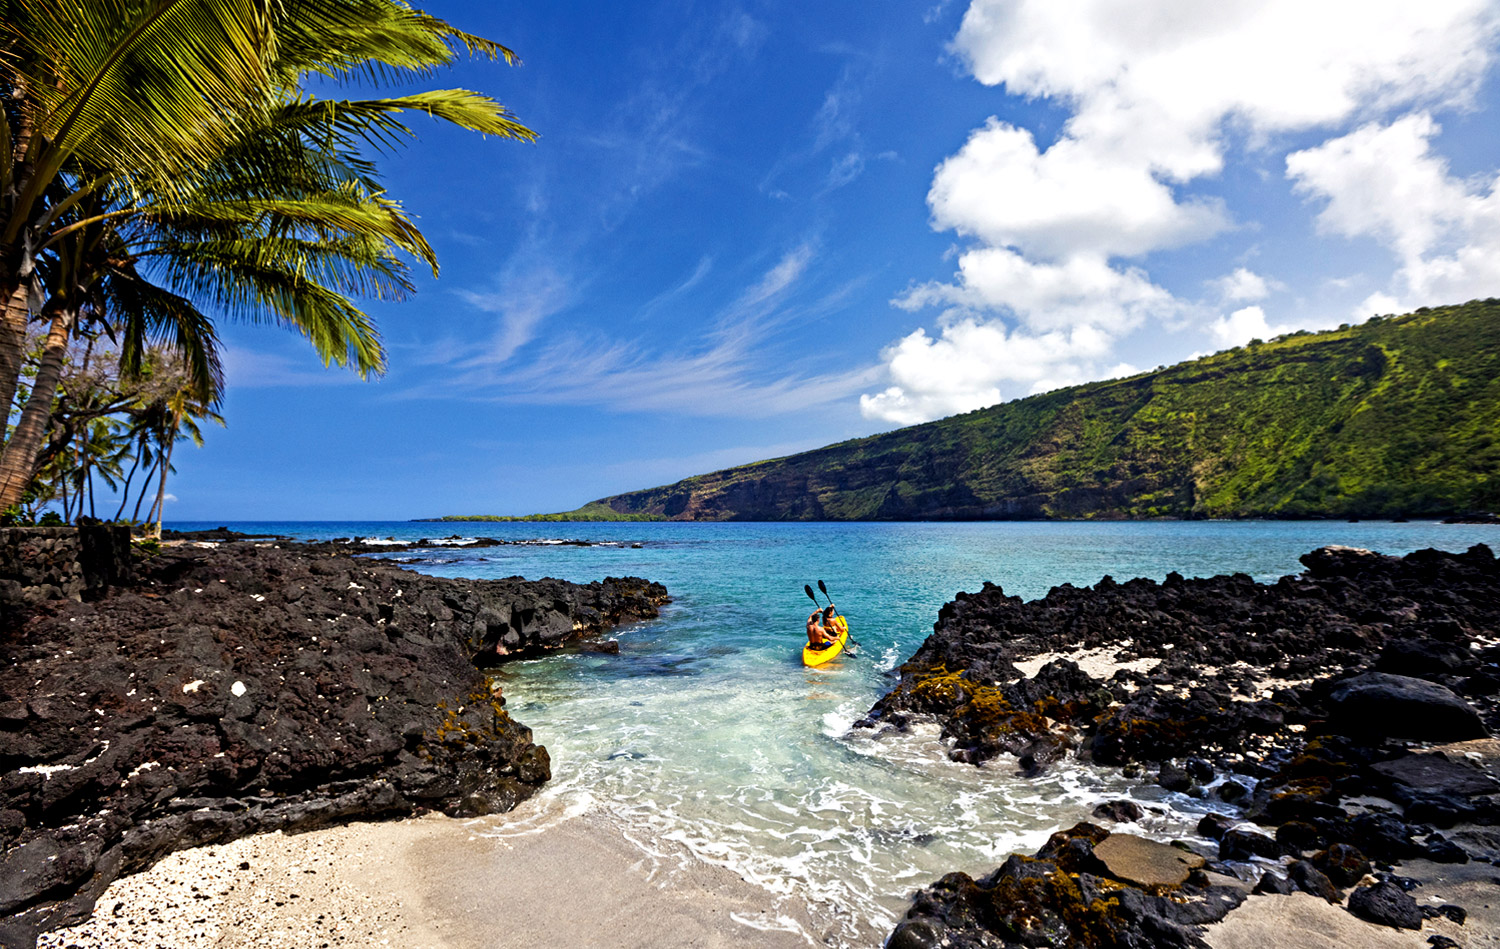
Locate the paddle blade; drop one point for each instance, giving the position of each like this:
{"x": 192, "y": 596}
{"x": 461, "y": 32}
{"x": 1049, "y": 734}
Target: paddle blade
{"x": 808, "y": 590}
{"x": 825, "y": 590}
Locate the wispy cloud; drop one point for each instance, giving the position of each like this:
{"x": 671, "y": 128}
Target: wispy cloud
{"x": 251, "y": 369}
{"x": 522, "y": 303}
{"x": 723, "y": 373}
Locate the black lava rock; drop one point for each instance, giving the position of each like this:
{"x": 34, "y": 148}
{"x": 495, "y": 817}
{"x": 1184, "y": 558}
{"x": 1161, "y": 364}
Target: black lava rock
{"x": 255, "y": 687}
{"x": 1309, "y": 879}
{"x": 1243, "y": 844}
{"x": 1381, "y": 705}
{"x": 1386, "y": 905}
{"x": 1121, "y": 812}
{"x": 1342, "y": 863}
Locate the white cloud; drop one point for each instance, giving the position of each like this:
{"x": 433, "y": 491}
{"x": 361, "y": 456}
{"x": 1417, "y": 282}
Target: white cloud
{"x": 1154, "y": 89}
{"x": 964, "y": 368}
{"x": 1073, "y": 198}
{"x": 1082, "y": 290}
{"x": 1242, "y": 286}
{"x": 1243, "y": 325}
{"x": 1385, "y": 182}
{"x": 1379, "y": 304}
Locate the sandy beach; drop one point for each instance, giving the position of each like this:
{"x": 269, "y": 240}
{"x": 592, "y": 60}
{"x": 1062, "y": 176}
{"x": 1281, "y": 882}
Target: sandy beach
{"x": 437, "y": 883}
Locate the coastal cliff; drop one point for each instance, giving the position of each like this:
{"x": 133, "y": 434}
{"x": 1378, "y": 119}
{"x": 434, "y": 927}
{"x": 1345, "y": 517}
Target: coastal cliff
{"x": 1396, "y": 416}
{"x": 235, "y": 689}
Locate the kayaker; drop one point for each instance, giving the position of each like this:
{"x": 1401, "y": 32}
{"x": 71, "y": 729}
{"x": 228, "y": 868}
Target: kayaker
{"x": 820, "y": 628}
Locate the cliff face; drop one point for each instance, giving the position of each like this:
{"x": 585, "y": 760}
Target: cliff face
{"x": 1394, "y": 416}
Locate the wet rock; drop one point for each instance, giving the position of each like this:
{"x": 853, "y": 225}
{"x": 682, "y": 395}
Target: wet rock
{"x": 1201, "y": 653}
{"x": 1174, "y": 778}
{"x": 915, "y": 934}
{"x": 1382, "y": 705}
{"x": 1040, "y": 901}
{"x": 1385, "y": 905}
{"x": 1144, "y": 862}
{"x": 1298, "y": 836}
{"x": 1240, "y": 844}
{"x": 1215, "y": 826}
{"x": 1120, "y": 812}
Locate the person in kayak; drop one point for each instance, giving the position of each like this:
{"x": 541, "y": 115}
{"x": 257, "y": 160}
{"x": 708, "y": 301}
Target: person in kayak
{"x": 821, "y": 632}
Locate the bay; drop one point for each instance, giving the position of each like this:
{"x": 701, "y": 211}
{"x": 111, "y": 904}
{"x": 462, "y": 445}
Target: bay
{"x": 706, "y": 738}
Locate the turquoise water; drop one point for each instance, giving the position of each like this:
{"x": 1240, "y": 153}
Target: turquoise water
{"x": 707, "y": 736}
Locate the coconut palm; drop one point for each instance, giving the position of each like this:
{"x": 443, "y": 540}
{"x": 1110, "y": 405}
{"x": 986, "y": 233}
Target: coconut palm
{"x": 273, "y": 214}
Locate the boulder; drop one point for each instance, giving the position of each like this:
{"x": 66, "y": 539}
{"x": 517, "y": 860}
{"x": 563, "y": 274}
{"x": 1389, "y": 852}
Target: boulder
{"x": 1435, "y": 774}
{"x": 1144, "y": 862}
{"x": 1242, "y": 844}
{"x": 1386, "y": 904}
{"x": 1121, "y": 812}
{"x": 1309, "y": 879}
{"x": 1379, "y": 705}
{"x": 1343, "y": 864}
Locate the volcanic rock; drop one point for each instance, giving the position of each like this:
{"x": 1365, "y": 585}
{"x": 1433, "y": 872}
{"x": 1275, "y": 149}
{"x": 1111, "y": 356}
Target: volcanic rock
{"x": 1386, "y": 905}
{"x": 1144, "y": 862}
{"x": 248, "y": 688}
{"x": 1381, "y": 705}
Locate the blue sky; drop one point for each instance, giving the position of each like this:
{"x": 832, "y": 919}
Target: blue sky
{"x": 752, "y": 228}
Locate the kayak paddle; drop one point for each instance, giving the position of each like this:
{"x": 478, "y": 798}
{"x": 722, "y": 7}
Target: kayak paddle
{"x": 852, "y": 642}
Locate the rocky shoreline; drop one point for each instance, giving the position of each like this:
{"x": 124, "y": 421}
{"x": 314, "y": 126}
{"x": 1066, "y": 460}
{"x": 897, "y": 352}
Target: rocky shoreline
{"x": 1333, "y": 725}
{"x": 235, "y": 687}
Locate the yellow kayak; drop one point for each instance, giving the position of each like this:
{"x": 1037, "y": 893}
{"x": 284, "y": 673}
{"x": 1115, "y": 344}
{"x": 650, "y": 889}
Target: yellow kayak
{"x": 816, "y": 657}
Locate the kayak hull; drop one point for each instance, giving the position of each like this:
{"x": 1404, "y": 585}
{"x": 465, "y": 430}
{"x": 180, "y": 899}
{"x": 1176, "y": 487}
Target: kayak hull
{"x": 817, "y": 657}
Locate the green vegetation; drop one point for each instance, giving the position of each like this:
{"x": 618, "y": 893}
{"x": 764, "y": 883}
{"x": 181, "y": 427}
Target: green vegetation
{"x": 166, "y": 165}
{"x": 1396, "y": 416}
{"x": 593, "y": 511}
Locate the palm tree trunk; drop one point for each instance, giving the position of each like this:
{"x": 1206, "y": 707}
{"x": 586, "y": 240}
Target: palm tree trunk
{"x": 161, "y": 486}
{"x": 125, "y": 492}
{"x": 19, "y": 459}
{"x": 135, "y": 515}
{"x": 12, "y": 345}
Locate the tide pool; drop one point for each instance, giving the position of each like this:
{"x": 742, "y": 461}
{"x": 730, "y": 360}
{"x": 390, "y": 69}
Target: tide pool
{"x": 706, "y": 735}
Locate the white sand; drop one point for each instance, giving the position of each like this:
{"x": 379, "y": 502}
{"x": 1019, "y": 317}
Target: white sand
{"x": 431, "y": 883}
{"x": 1101, "y": 662}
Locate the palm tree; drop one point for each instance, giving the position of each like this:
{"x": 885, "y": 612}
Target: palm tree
{"x": 276, "y": 218}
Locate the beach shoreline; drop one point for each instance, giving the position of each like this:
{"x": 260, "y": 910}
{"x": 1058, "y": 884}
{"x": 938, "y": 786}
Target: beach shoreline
{"x": 434, "y": 882}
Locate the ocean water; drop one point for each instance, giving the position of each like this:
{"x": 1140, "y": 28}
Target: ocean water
{"x": 707, "y": 738}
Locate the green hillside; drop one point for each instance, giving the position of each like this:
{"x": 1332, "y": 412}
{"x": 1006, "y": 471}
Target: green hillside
{"x": 1396, "y": 416}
